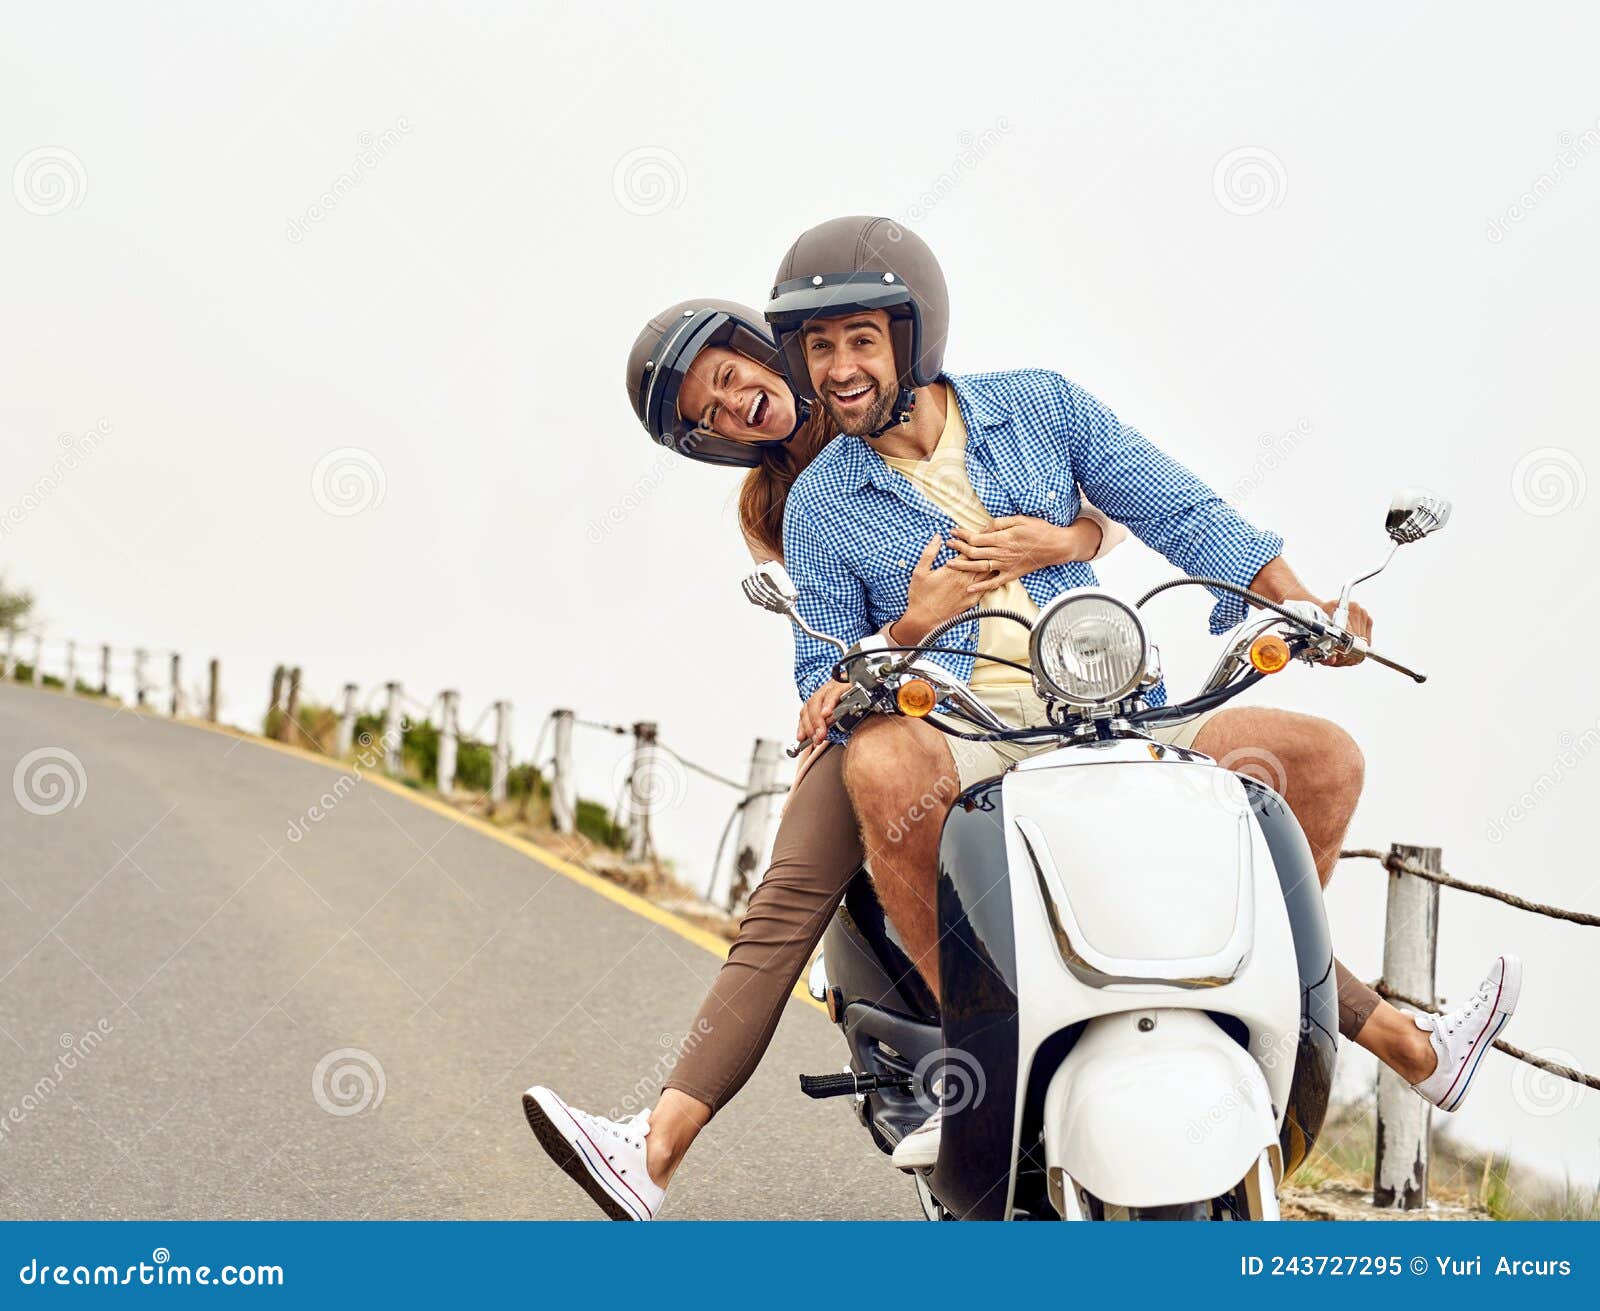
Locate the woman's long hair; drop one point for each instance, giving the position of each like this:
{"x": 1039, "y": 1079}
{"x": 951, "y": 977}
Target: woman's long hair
{"x": 765, "y": 490}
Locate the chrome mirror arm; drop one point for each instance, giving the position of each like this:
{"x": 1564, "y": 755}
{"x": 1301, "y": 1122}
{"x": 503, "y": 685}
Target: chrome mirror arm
{"x": 809, "y": 631}
{"x": 1341, "y": 613}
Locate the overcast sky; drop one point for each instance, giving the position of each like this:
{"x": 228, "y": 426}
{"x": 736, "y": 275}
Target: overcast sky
{"x": 1317, "y": 253}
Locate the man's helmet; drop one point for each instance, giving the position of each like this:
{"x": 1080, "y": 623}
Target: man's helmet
{"x": 660, "y": 360}
{"x": 849, "y": 264}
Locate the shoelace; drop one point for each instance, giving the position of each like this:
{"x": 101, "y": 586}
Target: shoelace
{"x": 1456, "y": 1019}
{"x": 614, "y": 1129}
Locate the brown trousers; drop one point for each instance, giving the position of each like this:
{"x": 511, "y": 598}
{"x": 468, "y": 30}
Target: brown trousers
{"x": 817, "y": 851}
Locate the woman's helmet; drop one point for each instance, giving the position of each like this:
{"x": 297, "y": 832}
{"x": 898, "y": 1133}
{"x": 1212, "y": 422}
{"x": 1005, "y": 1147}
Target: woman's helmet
{"x": 863, "y": 263}
{"x": 660, "y": 360}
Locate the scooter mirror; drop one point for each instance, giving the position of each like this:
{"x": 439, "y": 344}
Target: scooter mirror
{"x": 1414, "y": 514}
{"x": 770, "y": 587}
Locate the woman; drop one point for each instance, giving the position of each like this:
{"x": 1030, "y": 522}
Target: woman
{"x": 704, "y": 379}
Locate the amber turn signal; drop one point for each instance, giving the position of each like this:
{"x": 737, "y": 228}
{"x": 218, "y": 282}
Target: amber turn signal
{"x": 1268, "y": 653}
{"x": 915, "y": 698}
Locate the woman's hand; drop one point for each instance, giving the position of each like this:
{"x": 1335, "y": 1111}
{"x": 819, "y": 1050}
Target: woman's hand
{"x": 817, "y": 714}
{"x": 1018, "y": 544}
{"x": 934, "y": 596}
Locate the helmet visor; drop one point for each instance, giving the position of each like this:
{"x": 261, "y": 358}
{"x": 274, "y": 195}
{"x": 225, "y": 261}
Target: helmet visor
{"x": 828, "y": 296}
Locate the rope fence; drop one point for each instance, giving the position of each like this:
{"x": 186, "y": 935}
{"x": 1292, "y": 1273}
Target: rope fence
{"x": 1398, "y": 864}
{"x": 1400, "y": 1170}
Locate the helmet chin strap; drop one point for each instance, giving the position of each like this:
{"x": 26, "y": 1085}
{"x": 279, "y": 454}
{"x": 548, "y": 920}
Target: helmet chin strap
{"x": 904, "y": 403}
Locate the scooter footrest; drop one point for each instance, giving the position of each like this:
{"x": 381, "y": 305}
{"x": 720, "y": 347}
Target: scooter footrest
{"x": 846, "y": 1084}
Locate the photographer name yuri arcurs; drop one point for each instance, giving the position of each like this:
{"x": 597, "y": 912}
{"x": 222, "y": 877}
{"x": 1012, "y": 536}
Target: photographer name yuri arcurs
{"x": 1471, "y": 1267}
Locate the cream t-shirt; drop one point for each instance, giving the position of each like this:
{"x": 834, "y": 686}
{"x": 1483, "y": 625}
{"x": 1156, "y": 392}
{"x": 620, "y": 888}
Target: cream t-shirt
{"x": 943, "y": 479}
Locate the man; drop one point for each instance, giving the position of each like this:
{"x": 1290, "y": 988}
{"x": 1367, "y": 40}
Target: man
{"x": 989, "y": 466}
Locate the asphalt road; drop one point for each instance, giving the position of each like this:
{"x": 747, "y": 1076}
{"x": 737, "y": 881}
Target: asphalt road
{"x": 196, "y": 1012}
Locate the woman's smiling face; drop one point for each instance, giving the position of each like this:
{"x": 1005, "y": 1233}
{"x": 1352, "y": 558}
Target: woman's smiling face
{"x": 731, "y": 395}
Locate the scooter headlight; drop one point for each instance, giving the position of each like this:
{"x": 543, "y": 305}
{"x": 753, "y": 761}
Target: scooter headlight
{"x": 1087, "y": 649}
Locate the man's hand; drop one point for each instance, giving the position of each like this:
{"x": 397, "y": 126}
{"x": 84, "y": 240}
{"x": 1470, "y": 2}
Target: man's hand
{"x": 1018, "y": 544}
{"x": 1359, "y": 623}
{"x": 817, "y": 713}
{"x": 1278, "y": 582}
{"x": 935, "y": 595}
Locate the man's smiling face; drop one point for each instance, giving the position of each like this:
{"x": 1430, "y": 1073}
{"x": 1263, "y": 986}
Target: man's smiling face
{"x": 851, "y": 364}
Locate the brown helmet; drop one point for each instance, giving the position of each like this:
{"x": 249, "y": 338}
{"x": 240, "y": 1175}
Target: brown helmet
{"x": 863, "y": 263}
{"x": 660, "y": 359}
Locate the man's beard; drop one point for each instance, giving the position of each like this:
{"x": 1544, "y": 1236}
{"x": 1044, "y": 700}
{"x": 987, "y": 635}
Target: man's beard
{"x": 866, "y": 424}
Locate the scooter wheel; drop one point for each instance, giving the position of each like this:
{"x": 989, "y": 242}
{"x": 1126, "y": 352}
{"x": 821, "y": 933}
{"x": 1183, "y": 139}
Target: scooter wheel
{"x": 932, "y": 1207}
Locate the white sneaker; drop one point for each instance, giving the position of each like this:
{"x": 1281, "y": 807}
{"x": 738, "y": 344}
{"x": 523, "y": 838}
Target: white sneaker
{"x": 1460, "y": 1037}
{"x": 919, "y": 1149}
{"x": 605, "y": 1158}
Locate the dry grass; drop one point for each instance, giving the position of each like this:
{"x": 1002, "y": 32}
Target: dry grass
{"x": 1458, "y": 1175}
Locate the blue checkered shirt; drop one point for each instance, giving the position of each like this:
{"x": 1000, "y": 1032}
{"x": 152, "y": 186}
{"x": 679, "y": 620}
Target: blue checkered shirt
{"x": 854, "y": 528}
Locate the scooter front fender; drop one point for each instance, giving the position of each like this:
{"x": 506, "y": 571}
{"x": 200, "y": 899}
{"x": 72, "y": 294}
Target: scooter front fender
{"x": 1157, "y": 1108}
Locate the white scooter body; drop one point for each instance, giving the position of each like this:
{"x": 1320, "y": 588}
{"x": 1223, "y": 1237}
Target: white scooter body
{"x": 1143, "y": 895}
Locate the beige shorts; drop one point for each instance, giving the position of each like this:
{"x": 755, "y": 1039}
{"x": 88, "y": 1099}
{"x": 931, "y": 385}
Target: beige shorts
{"x": 1021, "y": 706}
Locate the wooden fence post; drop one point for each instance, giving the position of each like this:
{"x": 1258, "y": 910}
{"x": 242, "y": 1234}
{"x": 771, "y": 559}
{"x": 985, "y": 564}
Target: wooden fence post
{"x": 213, "y": 689}
{"x": 755, "y": 827}
{"x": 1410, "y": 947}
{"x": 176, "y": 707}
{"x": 105, "y": 669}
{"x": 347, "y": 722}
{"x": 138, "y": 676}
{"x": 71, "y": 681}
{"x": 278, "y": 673}
{"x": 38, "y": 659}
{"x": 500, "y": 766}
{"x": 290, "y": 724}
{"x": 448, "y": 733}
{"x": 641, "y": 792}
{"x": 392, "y": 731}
{"x": 563, "y": 788}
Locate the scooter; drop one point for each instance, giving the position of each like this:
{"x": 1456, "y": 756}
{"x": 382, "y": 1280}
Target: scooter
{"x": 1139, "y": 1016}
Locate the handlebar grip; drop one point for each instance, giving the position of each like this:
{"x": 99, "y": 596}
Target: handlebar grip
{"x": 1415, "y": 675}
